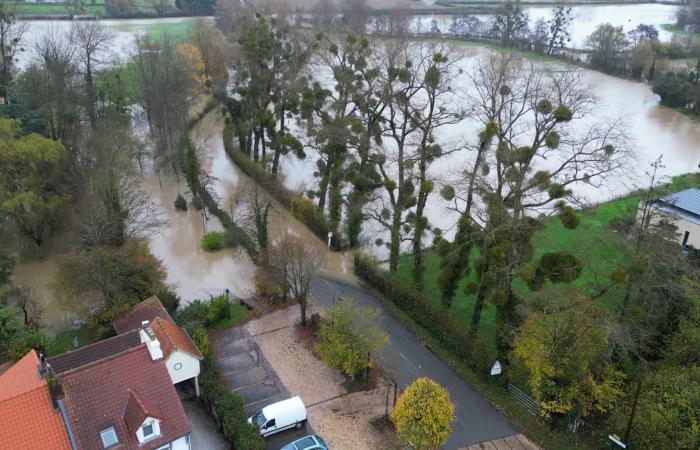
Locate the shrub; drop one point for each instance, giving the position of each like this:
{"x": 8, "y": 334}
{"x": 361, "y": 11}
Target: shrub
{"x": 349, "y": 336}
{"x": 201, "y": 340}
{"x": 169, "y": 299}
{"x": 218, "y": 309}
{"x": 193, "y": 316}
{"x": 180, "y": 203}
{"x": 27, "y": 339}
{"x": 423, "y": 414}
{"x": 213, "y": 241}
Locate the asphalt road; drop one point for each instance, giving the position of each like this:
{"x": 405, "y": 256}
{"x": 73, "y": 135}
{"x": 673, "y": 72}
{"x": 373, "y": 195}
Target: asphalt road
{"x": 405, "y": 358}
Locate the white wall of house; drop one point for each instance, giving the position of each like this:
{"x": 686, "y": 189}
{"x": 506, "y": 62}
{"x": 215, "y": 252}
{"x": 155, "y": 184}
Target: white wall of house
{"x": 693, "y": 232}
{"x": 181, "y": 444}
{"x": 683, "y": 226}
{"x": 181, "y": 366}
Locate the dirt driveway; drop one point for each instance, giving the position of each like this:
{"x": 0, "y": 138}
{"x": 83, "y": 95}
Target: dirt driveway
{"x": 343, "y": 419}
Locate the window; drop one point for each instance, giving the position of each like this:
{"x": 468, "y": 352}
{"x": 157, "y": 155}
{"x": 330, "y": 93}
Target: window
{"x": 148, "y": 430}
{"x": 109, "y": 437}
{"x": 270, "y": 423}
{"x": 165, "y": 447}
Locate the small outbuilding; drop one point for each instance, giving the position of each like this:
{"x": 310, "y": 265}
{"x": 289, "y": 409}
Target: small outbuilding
{"x": 683, "y": 210}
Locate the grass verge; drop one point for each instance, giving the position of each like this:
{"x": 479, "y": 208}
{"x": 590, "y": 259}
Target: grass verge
{"x": 671, "y": 28}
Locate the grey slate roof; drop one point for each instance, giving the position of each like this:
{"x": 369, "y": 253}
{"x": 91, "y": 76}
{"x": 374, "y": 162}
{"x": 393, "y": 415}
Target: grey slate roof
{"x": 688, "y": 200}
{"x": 684, "y": 204}
{"x": 95, "y": 352}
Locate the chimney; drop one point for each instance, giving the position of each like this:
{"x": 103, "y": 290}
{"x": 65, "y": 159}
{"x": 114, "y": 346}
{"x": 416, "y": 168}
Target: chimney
{"x": 149, "y": 338}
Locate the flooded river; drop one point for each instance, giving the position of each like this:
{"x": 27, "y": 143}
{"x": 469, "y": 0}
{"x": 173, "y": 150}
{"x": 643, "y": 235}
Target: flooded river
{"x": 193, "y": 273}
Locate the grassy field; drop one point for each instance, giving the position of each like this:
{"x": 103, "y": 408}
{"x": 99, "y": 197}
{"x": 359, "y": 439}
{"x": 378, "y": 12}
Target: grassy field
{"x": 173, "y": 29}
{"x": 592, "y": 242}
{"x": 58, "y": 9}
{"x": 671, "y": 28}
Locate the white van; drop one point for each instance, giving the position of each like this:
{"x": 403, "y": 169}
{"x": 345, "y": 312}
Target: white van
{"x": 280, "y": 416}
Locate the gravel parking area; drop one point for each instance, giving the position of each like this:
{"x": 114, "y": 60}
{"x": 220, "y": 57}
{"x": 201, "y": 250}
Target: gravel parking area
{"x": 343, "y": 419}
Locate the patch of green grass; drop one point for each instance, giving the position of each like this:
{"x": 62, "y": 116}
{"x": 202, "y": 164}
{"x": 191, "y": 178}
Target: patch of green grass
{"x": 671, "y": 28}
{"x": 63, "y": 341}
{"x": 593, "y": 242}
{"x": 175, "y": 30}
{"x": 57, "y": 9}
{"x": 238, "y": 314}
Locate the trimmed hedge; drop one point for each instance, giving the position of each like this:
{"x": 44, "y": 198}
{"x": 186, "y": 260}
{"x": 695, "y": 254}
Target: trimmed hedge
{"x": 452, "y": 334}
{"x": 303, "y": 209}
{"x": 227, "y": 410}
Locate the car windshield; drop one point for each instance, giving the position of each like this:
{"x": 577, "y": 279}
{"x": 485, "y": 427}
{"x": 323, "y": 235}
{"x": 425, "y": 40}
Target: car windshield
{"x": 259, "y": 419}
{"x": 304, "y": 443}
{"x": 321, "y": 441}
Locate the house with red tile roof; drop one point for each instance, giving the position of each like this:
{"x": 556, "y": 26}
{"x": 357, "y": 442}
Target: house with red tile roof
{"x": 181, "y": 354}
{"x": 125, "y": 401}
{"x": 30, "y": 418}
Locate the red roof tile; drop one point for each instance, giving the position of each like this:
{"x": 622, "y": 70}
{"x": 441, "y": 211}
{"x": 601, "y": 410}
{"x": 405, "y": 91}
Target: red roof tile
{"x": 172, "y": 338}
{"x": 148, "y": 310}
{"x": 137, "y": 410}
{"x": 97, "y": 396}
{"x": 27, "y": 417}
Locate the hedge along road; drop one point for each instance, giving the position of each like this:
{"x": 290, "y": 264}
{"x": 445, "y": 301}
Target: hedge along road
{"x": 405, "y": 358}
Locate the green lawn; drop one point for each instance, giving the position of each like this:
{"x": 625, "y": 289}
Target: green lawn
{"x": 592, "y": 242}
{"x": 63, "y": 341}
{"x": 173, "y": 29}
{"x": 238, "y": 314}
{"x": 671, "y": 28}
{"x": 57, "y": 9}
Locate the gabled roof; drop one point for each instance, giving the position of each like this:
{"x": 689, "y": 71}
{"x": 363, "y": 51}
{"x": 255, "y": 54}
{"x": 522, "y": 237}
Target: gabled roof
{"x": 138, "y": 410}
{"x": 94, "y": 352}
{"x": 97, "y": 396}
{"x": 27, "y": 416}
{"x": 173, "y": 338}
{"x": 688, "y": 200}
{"x": 148, "y": 310}
{"x": 684, "y": 204}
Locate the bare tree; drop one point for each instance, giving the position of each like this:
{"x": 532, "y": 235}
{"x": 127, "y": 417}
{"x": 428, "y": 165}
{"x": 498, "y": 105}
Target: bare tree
{"x": 300, "y": 261}
{"x": 11, "y": 32}
{"x": 93, "y": 41}
{"x": 255, "y": 212}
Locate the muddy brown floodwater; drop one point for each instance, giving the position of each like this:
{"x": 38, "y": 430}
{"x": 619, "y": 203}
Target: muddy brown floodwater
{"x": 232, "y": 186}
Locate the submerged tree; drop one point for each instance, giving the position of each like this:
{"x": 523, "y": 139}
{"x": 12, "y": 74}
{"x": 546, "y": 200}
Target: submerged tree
{"x": 33, "y": 188}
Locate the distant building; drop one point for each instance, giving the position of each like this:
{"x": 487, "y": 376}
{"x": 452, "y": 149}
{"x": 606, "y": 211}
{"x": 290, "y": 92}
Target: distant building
{"x": 683, "y": 210}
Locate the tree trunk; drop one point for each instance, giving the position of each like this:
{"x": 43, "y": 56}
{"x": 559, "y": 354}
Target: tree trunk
{"x": 302, "y": 307}
{"x": 323, "y": 188}
{"x": 478, "y": 304}
{"x": 256, "y": 147}
{"x": 395, "y": 244}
